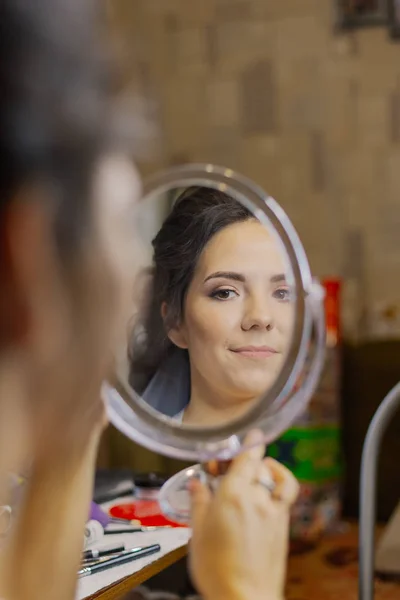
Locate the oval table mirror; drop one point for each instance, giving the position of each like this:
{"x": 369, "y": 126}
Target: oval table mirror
{"x": 227, "y": 326}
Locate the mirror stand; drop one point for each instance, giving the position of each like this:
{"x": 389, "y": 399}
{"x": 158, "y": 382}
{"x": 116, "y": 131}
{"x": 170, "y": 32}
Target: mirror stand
{"x": 368, "y": 480}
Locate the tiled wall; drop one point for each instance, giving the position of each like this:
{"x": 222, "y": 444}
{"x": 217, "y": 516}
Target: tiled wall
{"x": 267, "y": 88}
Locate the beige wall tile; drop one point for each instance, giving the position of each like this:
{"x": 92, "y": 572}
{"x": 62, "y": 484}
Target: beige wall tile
{"x": 195, "y": 13}
{"x": 259, "y": 159}
{"x": 258, "y": 99}
{"x": 281, "y": 9}
{"x": 157, "y": 8}
{"x": 394, "y": 117}
{"x": 190, "y": 51}
{"x": 185, "y": 119}
{"x": 392, "y": 164}
{"x": 235, "y": 10}
{"x": 301, "y": 95}
{"x": 375, "y": 47}
{"x": 343, "y": 119}
{"x": 319, "y": 161}
{"x": 373, "y": 120}
{"x": 300, "y": 37}
{"x": 223, "y": 102}
{"x": 241, "y": 43}
{"x": 224, "y": 147}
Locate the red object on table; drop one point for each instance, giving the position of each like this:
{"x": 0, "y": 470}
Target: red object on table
{"x": 148, "y": 512}
{"x": 332, "y": 308}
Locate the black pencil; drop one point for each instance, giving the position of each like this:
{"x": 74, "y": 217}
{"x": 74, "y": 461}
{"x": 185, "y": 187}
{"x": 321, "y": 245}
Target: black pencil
{"x": 124, "y": 557}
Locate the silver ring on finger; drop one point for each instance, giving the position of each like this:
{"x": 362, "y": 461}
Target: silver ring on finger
{"x": 267, "y": 483}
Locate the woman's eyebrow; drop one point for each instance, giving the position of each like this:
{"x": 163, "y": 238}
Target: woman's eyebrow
{"x": 226, "y": 275}
{"x": 278, "y": 278}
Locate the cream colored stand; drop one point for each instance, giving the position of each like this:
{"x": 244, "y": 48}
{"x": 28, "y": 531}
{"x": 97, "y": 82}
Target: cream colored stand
{"x": 369, "y": 466}
{"x": 387, "y": 559}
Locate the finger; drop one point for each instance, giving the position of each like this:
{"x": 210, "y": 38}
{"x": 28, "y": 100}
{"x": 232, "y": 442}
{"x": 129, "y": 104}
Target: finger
{"x": 260, "y": 489}
{"x": 265, "y": 478}
{"x": 244, "y": 467}
{"x": 287, "y": 486}
{"x": 201, "y": 498}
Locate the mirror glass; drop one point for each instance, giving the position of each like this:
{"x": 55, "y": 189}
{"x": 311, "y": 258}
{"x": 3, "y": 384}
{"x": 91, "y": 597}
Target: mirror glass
{"x": 213, "y": 307}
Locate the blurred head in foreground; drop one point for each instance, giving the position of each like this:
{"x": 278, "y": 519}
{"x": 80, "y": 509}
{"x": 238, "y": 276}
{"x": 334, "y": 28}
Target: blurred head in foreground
{"x": 66, "y": 193}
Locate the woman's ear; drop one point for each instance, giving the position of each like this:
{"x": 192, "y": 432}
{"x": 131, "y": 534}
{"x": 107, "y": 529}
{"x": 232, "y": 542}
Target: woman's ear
{"x": 176, "y": 334}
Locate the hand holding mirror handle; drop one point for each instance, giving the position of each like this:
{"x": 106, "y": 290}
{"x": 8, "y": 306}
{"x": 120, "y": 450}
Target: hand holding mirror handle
{"x": 174, "y": 497}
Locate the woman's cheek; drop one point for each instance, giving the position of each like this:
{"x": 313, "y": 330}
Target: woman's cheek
{"x": 204, "y": 324}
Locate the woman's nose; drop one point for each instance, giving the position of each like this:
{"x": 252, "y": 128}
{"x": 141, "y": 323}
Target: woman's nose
{"x": 258, "y": 314}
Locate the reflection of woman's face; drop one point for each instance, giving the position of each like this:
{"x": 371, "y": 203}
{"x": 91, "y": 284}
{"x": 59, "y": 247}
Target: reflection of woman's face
{"x": 238, "y": 316}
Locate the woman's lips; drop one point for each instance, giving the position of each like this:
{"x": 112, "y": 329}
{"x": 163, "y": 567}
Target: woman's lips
{"x": 255, "y": 351}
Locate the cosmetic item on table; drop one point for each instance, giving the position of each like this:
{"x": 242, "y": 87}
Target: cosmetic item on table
{"x": 311, "y": 448}
{"x": 98, "y": 514}
{"x": 88, "y": 562}
{"x": 94, "y": 532}
{"x": 111, "y": 484}
{"x": 115, "y": 530}
{"x": 124, "y": 557}
{"x": 148, "y": 485}
{"x": 145, "y": 507}
{"x": 93, "y": 554}
{"x": 148, "y": 512}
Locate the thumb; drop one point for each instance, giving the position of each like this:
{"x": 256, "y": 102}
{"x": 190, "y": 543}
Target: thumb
{"x": 201, "y": 498}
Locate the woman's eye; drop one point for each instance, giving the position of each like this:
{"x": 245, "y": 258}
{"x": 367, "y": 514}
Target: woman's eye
{"x": 223, "y": 294}
{"x": 282, "y": 294}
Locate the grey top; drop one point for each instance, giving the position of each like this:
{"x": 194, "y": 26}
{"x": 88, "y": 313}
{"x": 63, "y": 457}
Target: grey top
{"x": 169, "y": 389}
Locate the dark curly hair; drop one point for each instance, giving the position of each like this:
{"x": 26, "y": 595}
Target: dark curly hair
{"x": 54, "y": 101}
{"x": 197, "y": 215}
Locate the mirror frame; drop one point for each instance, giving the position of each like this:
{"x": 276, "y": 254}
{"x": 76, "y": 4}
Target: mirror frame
{"x": 160, "y": 433}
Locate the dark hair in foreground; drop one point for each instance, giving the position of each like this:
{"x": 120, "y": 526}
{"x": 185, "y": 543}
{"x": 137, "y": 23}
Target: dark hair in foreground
{"x": 53, "y": 104}
{"x": 198, "y": 214}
